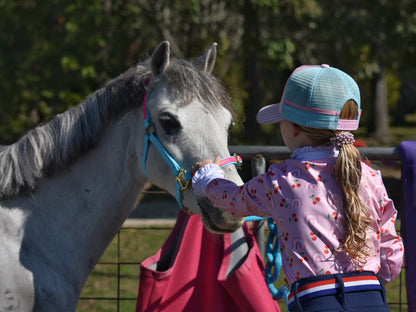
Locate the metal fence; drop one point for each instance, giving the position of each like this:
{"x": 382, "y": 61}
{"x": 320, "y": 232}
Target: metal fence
{"x": 113, "y": 285}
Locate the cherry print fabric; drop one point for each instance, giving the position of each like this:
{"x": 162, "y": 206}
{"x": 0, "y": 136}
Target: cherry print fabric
{"x": 304, "y": 198}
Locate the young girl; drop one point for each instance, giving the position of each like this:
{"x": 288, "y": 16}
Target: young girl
{"x": 336, "y": 222}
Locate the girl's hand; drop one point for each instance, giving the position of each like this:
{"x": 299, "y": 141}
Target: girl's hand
{"x": 200, "y": 164}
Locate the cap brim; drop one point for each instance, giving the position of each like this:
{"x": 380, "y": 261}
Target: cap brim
{"x": 269, "y": 114}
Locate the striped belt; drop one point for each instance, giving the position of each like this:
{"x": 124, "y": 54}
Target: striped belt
{"x": 359, "y": 282}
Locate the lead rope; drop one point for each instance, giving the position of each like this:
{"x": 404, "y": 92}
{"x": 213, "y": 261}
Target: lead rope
{"x": 273, "y": 260}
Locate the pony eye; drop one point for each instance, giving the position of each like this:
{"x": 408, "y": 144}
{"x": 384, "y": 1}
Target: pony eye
{"x": 169, "y": 124}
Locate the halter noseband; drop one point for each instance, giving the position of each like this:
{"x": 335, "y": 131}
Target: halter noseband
{"x": 183, "y": 177}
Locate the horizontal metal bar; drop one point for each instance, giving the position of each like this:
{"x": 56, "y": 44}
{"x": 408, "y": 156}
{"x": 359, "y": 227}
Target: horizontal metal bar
{"x": 282, "y": 152}
{"x": 120, "y": 262}
{"x": 108, "y": 298}
{"x": 380, "y": 153}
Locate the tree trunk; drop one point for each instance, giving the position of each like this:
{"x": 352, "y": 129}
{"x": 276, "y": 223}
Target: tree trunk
{"x": 251, "y": 72}
{"x": 380, "y": 113}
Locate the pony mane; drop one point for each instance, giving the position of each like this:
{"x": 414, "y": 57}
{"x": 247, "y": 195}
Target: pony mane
{"x": 189, "y": 82}
{"x": 48, "y": 148}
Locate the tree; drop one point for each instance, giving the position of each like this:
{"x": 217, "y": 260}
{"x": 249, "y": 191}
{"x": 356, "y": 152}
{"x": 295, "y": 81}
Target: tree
{"x": 52, "y": 55}
{"x": 367, "y": 35}
{"x": 55, "y": 53}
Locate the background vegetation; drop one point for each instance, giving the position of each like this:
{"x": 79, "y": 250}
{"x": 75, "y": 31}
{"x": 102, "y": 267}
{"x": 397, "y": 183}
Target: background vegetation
{"x": 54, "y": 53}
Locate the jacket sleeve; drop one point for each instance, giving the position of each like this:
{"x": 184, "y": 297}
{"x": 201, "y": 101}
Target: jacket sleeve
{"x": 253, "y": 198}
{"x": 203, "y": 177}
{"x": 391, "y": 244}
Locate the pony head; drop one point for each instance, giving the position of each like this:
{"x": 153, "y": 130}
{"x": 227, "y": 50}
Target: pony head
{"x": 190, "y": 118}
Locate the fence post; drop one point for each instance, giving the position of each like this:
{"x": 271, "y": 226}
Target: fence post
{"x": 407, "y": 153}
{"x": 258, "y": 166}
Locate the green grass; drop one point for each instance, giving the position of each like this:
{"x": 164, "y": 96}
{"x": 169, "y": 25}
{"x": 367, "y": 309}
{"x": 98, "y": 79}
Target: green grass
{"x": 139, "y": 244}
{"x": 130, "y": 248}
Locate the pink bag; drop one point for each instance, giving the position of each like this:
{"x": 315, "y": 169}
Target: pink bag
{"x": 195, "y": 278}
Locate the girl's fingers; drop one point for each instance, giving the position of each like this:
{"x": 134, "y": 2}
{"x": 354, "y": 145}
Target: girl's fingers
{"x": 200, "y": 164}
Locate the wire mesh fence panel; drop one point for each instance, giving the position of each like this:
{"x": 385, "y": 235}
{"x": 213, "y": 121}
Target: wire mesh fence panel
{"x": 114, "y": 283}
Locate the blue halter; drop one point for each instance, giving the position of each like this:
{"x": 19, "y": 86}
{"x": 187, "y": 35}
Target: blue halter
{"x": 183, "y": 177}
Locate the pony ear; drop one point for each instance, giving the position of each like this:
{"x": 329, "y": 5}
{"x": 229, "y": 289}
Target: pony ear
{"x": 160, "y": 58}
{"x": 207, "y": 60}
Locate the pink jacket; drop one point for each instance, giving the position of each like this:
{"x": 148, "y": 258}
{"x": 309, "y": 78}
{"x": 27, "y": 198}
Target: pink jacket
{"x": 303, "y": 196}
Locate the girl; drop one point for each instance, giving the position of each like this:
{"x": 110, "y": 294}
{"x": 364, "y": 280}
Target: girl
{"x": 336, "y": 222}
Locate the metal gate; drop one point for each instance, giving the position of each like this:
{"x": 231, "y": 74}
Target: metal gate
{"x": 121, "y": 271}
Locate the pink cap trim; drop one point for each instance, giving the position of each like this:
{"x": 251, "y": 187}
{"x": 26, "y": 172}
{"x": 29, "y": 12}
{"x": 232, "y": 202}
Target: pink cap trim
{"x": 312, "y": 109}
{"x": 347, "y": 124}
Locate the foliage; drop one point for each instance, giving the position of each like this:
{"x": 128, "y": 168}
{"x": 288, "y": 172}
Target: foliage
{"x": 55, "y": 53}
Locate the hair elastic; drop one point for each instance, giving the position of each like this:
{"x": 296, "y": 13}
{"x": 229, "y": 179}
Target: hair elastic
{"x": 342, "y": 138}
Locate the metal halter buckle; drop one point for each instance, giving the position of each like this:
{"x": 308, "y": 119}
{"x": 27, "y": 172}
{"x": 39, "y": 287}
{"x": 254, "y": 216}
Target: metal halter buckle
{"x": 239, "y": 161}
{"x": 150, "y": 129}
{"x": 181, "y": 179}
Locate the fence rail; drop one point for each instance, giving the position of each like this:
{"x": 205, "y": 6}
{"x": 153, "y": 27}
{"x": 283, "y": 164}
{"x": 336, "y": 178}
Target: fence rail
{"x": 257, "y": 156}
{"x": 282, "y": 152}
